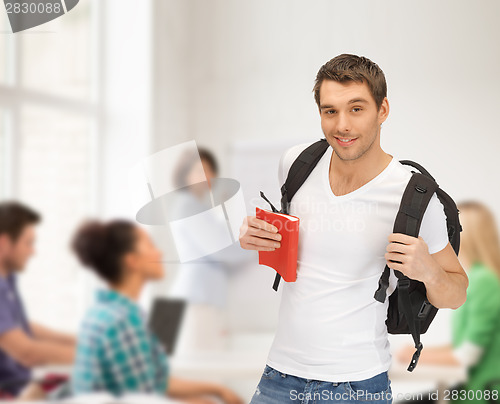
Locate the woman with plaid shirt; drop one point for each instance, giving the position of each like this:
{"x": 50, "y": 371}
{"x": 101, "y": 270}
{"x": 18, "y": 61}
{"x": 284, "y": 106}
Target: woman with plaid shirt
{"x": 116, "y": 352}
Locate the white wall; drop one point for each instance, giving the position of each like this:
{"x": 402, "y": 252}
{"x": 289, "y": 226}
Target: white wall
{"x": 124, "y": 90}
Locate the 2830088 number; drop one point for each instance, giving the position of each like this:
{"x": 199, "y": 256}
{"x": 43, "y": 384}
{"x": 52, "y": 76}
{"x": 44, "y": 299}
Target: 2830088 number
{"x": 457, "y": 395}
{"x": 32, "y": 8}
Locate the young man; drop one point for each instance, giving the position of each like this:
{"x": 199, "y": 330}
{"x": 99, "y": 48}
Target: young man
{"x": 331, "y": 342}
{"x": 23, "y": 345}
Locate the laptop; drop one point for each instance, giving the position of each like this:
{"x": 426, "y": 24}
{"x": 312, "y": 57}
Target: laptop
{"x": 165, "y": 321}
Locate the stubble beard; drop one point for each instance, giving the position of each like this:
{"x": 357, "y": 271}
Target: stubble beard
{"x": 359, "y": 154}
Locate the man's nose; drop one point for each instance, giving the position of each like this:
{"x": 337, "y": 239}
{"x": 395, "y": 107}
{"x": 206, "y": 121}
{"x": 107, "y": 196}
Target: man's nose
{"x": 344, "y": 124}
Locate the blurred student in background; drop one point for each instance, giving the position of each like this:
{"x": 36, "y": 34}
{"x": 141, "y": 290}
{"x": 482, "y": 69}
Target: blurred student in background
{"x": 202, "y": 282}
{"x": 116, "y": 352}
{"x": 475, "y": 324}
{"x": 23, "y": 344}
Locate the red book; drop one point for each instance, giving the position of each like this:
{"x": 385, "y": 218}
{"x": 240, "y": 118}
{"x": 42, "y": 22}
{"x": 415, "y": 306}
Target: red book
{"x": 284, "y": 258}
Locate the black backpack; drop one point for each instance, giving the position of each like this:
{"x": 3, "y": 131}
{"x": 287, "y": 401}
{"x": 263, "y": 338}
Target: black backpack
{"x": 409, "y": 310}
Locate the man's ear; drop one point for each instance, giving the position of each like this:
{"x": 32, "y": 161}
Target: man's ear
{"x": 384, "y": 110}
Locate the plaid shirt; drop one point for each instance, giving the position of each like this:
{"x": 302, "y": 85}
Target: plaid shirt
{"x": 116, "y": 352}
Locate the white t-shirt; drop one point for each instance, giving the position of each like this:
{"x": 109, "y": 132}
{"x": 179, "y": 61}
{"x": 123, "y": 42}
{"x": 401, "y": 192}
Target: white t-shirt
{"x": 330, "y": 326}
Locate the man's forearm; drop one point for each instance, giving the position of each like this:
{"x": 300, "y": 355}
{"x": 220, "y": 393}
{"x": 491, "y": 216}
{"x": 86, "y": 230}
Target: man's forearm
{"x": 445, "y": 289}
{"x": 45, "y": 334}
{"x": 42, "y": 353}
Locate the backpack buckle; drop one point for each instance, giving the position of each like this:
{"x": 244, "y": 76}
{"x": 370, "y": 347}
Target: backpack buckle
{"x": 404, "y": 283}
{"x": 415, "y": 357}
{"x": 381, "y": 293}
{"x": 424, "y": 309}
{"x": 421, "y": 189}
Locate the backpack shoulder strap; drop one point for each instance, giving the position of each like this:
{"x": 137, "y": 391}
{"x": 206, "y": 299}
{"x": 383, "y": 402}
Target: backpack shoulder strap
{"x": 418, "y": 167}
{"x": 300, "y": 170}
{"x": 298, "y": 173}
{"x": 450, "y": 208}
{"x": 416, "y": 197}
{"x": 414, "y": 202}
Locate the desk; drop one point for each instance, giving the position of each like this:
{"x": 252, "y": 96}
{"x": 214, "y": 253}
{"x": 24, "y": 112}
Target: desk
{"x": 444, "y": 377}
{"x": 233, "y": 366}
{"x": 41, "y": 371}
{"x": 236, "y": 365}
{"x": 225, "y": 365}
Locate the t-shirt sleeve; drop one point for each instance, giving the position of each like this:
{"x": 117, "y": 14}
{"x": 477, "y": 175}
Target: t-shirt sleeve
{"x": 7, "y": 321}
{"x": 468, "y": 353}
{"x": 483, "y": 305}
{"x": 433, "y": 228}
{"x": 281, "y": 169}
{"x": 287, "y": 159}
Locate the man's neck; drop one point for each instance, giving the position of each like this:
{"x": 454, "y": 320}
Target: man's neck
{"x": 3, "y": 271}
{"x": 359, "y": 171}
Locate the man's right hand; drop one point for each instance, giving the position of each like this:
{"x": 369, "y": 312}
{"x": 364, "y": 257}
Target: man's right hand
{"x": 257, "y": 234}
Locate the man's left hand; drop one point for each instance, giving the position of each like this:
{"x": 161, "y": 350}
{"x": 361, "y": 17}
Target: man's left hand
{"x": 413, "y": 255}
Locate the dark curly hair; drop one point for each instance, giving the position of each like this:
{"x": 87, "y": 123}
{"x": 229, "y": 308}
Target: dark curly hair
{"x": 101, "y": 246}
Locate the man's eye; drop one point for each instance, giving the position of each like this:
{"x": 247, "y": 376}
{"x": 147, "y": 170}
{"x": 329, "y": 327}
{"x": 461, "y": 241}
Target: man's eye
{"x": 330, "y": 111}
{"x": 357, "y": 109}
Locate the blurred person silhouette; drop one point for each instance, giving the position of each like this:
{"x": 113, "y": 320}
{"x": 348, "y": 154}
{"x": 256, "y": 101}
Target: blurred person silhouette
{"x": 23, "y": 344}
{"x": 116, "y": 352}
{"x": 203, "y": 281}
{"x": 476, "y": 324}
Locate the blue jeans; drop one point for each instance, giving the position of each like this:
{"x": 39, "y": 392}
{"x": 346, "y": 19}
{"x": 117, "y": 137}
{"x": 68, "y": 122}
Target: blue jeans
{"x": 276, "y": 387}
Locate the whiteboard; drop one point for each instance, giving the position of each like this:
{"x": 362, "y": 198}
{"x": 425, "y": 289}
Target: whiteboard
{"x": 254, "y": 163}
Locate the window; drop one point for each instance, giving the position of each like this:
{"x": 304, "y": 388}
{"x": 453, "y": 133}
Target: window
{"x": 49, "y": 126}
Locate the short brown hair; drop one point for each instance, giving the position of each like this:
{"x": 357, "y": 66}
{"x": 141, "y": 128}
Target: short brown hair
{"x": 187, "y": 162}
{"x": 14, "y": 217}
{"x": 347, "y": 67}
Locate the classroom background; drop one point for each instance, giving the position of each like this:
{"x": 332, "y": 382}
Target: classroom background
{"x": 85, "y": 97}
